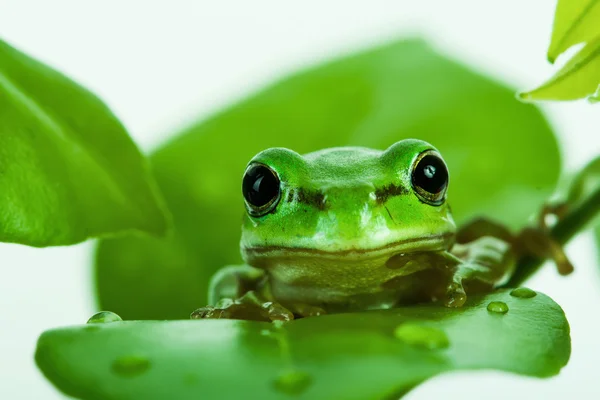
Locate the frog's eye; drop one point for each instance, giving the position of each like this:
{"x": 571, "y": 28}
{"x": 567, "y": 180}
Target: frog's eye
{"x": 261, "y": 189}
{"x": 430, "y": 177}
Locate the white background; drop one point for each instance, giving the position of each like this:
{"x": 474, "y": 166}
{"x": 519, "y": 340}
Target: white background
{"x": 159, "y": 65}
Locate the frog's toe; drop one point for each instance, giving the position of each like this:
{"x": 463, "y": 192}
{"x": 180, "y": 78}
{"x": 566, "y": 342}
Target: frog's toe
{"x": 228, "y": 309}
{"x": 455, "y": 295}
{"x": 277, "y": 312}
{"x": 305, "y": 310}
{"x": 203, "y": 312}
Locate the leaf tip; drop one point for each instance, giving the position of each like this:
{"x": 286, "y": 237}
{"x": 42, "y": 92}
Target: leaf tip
{"x": 594, "y": 98}
{"x": 524, "y": 96}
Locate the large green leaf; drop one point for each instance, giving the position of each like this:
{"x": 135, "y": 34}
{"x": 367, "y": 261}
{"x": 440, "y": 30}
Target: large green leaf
{"x": 575, "y": 21}
{"x": 578, "y": 78}
{"x": 68, "y": 169}
{"x": 372, "y": 355}
{"x": 502, "y": 155}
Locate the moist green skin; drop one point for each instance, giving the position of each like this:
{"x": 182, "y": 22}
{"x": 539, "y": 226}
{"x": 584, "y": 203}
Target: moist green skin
{"x": 347, "y": 199}
{"x": 350, "y": 232}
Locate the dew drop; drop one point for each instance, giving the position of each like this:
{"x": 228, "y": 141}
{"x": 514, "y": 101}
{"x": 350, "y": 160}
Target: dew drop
{"x": 130, "y": 366}
{"x": 104, "y": 317}
{"x": 292, "y": 382}
{"x": 523, "y": 293}
{"x": 422, "y": 336}
{"x": 498, "y": 307}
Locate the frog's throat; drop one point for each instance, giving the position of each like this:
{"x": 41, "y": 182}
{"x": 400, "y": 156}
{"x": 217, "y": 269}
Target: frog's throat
{"x": 431, "y": 243}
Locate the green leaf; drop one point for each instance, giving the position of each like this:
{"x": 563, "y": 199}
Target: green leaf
{"x": 502, "y": 155}
{"x": 595, "y": 98}
{"x": 371, "y": 355}
{"x": 575, "y": 21}
{"x": 68, "y": 169}
{"x": 578, "y": 78}
{"x": 597, "y": 234}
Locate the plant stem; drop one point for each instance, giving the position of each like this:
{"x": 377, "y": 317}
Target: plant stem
{"x": 562, "y": 232}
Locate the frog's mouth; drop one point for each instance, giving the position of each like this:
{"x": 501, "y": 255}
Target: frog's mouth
{"x": 431, "y": 243}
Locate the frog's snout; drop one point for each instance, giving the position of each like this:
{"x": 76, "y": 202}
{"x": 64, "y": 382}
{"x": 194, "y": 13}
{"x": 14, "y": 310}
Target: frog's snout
{"x": 353, "y": 212}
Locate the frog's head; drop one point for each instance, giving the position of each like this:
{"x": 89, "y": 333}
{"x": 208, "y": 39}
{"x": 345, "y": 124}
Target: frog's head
{"x": 347, "y": 202}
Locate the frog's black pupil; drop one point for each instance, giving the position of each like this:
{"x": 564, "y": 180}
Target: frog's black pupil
{"x": 260, "y": 185}
{"x": 431, "y": 174}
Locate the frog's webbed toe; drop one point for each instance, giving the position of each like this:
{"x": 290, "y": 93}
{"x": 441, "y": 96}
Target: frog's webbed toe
{"x": 455, "y": 295}
{"x": 203, "y": 312}
{"x": 446, "y": 284}
{"x": 534, "y": 240}
{"x": 277, "y": 312}
{"x": 231, "y": 311}
{"x": 247, "y": 307}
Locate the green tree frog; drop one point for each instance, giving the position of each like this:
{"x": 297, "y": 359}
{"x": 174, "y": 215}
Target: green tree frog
{"x": 351, "y": 228}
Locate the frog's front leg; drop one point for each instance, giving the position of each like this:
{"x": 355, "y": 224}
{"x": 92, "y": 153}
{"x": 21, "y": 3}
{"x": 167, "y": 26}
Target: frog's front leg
{"x": 486, "y": 262}
{"x": 242, "y": 292}
{"x": 478, "y": 266}
{"x": 489, "y": 251}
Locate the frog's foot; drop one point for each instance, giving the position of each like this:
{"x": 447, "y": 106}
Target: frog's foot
{"x": 306, "y": 310}
{"x": 277, "y": 312}
{"x": 247, "y": 307}
{"x": 531, "y": 241}
{"x": 487, "y": 260}
{"x": 537, "y": 240}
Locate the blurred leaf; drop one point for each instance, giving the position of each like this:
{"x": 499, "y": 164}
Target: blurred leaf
{"x": 371, "y": 355}
{"x": 578, "y": 78}
{"x": 597, "y": 234}
{"x": 502, "y": 155}
{"x": 585, "y": 182}
{"x": 68, "y": 168}
{"x": 575, "y": 21}
{"x": 595, "y": 98}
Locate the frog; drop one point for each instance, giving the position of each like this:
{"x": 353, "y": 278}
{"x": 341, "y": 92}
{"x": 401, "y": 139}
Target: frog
{"x": 348, "y": 229}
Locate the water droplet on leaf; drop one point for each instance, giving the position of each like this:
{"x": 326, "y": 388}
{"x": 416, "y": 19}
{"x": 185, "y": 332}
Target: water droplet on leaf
{"x": 103, "y": 317}
{"x": 422, "y": 336}
{"x": 130, "y": 366}
{"x": 523, "y": 293}
{"x": 292, "y": 382}
{"x": 498, "y": 307}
